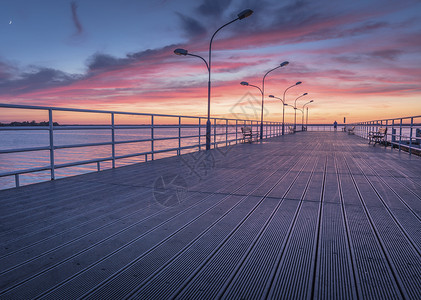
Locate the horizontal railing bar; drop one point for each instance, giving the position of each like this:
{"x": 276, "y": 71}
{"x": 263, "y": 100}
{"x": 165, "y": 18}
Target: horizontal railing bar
{"x": 131, "y": 155}
{"x": 97, "y": 127}
{"x": 25, "y": 171}
{"x": 5, "y": 105}
{"x": 83, "y": 162}
{"x": 11, "y": 128}
{"x": 82, "y": 145}
{"x": 25, "y": 149}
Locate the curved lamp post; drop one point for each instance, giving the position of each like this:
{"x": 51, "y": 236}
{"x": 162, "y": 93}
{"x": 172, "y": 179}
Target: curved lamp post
{"x": 283, "y": 106}
{"x": 245, "y": 83}
{"x": 286, "y": 104}
{"x": 311, "y": 101}
{"x": 285, "y": 63}
{"x": 240, "y": 16}
{"x": 295, "y": 107}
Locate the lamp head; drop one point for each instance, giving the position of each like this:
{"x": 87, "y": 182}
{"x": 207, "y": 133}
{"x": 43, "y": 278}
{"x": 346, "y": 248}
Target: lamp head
{"x": 244, "y": 14}
{"x": 299, "y": 82}
{"x": 305, "y": 94}
{"x": 311, "y": 101}
{"x": 284, "y": 63}
{"x": 271, "y": 96}
{"x": 244, "y": 83}
{"x": 180, "y": 51}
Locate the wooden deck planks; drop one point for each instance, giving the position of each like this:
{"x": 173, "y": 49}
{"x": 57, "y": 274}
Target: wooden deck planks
{"x": 310, "y": 215}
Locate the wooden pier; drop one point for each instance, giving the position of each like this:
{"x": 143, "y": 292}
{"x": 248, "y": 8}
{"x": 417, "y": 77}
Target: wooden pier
{"x": 313, "y": 215}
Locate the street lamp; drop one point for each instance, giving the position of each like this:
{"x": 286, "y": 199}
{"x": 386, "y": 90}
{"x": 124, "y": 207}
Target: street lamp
{"x": 263, "y": 93}
{"x": 311, "y": 101}
{"x": 283, "y": 106}
{"x": 295, "y": 107}
{"x": 240, "y": 16}
{"x": 245, "y": 83}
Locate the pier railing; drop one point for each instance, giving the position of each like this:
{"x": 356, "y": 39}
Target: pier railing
{"x": 151, "y": 136}
{"x": 402, "y": 133}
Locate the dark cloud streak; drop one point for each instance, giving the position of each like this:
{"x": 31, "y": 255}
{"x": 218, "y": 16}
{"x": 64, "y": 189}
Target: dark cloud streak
{"x": 75, "y": 18}
{"x": 40, "y": 78}
{"x": 213, "y": 8}
{"x": 191, "y": 26}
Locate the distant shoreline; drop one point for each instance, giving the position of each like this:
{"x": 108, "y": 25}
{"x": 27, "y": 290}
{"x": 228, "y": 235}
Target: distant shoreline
{"x": 27, "y": 123}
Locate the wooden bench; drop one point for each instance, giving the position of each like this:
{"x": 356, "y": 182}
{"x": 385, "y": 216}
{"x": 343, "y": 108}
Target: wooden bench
{"x": 248, "y": 134}
{"x": 378, "y": 136}
{"x": 351, "y": 130}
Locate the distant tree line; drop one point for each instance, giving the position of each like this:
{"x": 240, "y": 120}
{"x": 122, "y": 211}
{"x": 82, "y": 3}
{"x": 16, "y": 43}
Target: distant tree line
{"x": 27, "y": 123}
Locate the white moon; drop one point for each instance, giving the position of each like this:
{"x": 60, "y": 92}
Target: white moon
{"x": 10, "y": 22}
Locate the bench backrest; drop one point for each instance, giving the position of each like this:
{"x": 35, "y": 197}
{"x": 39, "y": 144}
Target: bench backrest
{"x": 245, "y": 129}
{"x": 382, "y": 130}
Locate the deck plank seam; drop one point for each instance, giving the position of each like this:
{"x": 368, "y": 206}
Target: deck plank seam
{"x": 268, "y": 290}
{"x": 110, "y": 278}
{"x": 398, "y": 224}
{"x": 314, "y": 278}
{"x": 94, "y": 245}
{"x": 351, "y": 255}
{"x": 392, "y": 268}
{"x": 393, "y": 190}
{"x": 255, "y": 241}
{"x": 64, "y": 221}
{"x": 183, "y": 286}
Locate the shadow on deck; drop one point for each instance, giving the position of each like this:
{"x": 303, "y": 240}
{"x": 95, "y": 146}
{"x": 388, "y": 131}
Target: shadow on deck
{"x": 310, "y": 215}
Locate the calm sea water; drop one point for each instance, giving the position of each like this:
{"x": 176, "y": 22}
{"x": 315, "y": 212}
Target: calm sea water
{"x": 40, "y": 138}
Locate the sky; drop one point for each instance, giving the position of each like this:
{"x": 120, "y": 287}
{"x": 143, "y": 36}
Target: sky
{"x": 357, "y": 59}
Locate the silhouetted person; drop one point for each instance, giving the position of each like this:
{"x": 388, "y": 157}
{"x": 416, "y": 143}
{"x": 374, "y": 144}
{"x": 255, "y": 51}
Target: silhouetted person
{"x": 335, "y": 125}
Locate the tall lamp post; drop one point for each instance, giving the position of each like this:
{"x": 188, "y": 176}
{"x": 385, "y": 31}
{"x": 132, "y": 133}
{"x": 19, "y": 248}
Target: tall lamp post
{"x": 240, "y": 16}
{"x": 302, "y": 120}
{"x": 295, "y": 107}
{"x": 302, "y": 114}
{"x": 245, "y": 83}
{"x": 286, "y": 104}
{"x": 283, "y": 106}
{"x": 263, "y": 92}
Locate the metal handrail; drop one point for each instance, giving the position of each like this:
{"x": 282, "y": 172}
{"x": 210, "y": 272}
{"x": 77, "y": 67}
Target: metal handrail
{"x": 229, "y": 130}
{"x": 404, "y": 140}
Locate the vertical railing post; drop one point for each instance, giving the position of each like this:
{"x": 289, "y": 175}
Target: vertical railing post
{"x": 266, "y": 130}
{"x": 387, "y": 135}
{"x": 236, "y": 131}
{"x": 400, "y": 135}
{"x": 112, "y": 139}
{"x": 226, "y": 132}
{"x": 179, "y": 136}
{"x": 214, "y": 134}
{"x": 152, "y": 138}
{"x": 410, "y": 135}
{"x": 17, "y": 184}
{"x": 200, "y": 134}
{"x": 51, "y": 134}
{"x": 393, "y": 137}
